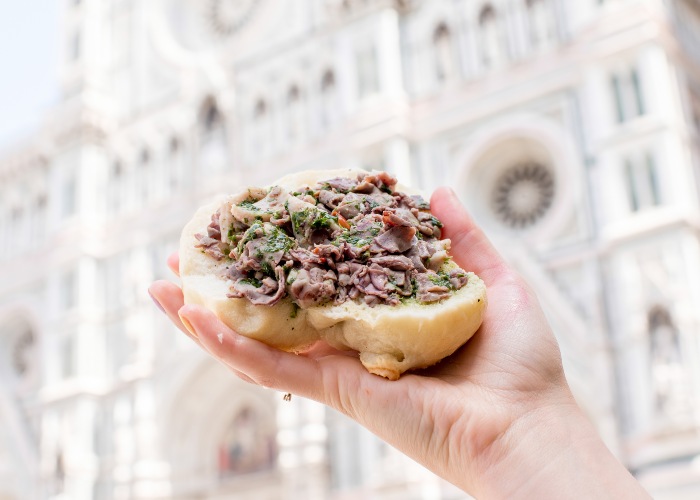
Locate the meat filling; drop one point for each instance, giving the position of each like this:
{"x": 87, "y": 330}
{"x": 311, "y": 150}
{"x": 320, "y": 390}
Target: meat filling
{"x": 342, "y": 239}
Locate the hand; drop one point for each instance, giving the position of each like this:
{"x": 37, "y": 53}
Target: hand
{"x": 496, "y": 418}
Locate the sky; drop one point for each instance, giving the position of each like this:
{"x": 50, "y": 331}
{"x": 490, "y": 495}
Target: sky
{"x": 29, "y": 51}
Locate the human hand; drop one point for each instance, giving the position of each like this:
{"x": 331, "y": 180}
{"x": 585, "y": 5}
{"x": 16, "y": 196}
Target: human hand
{"x": 496, "y": 418}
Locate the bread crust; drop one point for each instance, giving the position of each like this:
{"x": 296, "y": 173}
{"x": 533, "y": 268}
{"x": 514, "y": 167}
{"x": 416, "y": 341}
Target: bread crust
{"x": 389, "y": 339}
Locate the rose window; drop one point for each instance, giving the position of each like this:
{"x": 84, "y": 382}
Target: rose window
{"x": 523, "y": 195}
{"x": 225, "y": 17}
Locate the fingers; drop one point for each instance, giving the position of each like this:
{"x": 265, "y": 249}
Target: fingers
{"x": 265, "y": 365}
{"x": 174, "y": 263}
{"x": 310, "y": 377}
{"x": 470, "y": 246}
{"x": 168, "y": 297}
{"x": 322, "y": 349}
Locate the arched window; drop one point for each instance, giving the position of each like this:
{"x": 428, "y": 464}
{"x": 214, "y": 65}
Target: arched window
{"x": 248, "y": 444}
{"x": 39, "y": 219}
{"x": 260, "y": 110}
{"x": 668, "y": 377}
{"x": 294, "y": 114}
{"x": 18, "y": 353}
{"x": 115, "y": 188}
{"x": 444, "y": 56}
{"x": 177, "y": 164}
{"x": 493, "y": 48}
{"x": 144, "y": 177}
{"x": 328, "y": 104}
{"x": 261, "y": 134}
{"x": 541, "y": 22}
{"x": 213, "y": 149}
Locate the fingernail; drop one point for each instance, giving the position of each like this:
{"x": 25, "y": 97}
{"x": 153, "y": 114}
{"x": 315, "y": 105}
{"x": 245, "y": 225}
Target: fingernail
{"x": 162, "y": 309}
{"x": 453, "y": 193}
{"x": 244, "y": 377}
{"x": 188, "y": 325}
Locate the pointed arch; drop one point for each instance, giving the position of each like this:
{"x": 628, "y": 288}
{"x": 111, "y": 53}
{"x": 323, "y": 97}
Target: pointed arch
{"x": 328, "y": 105}
{"x": 220, "y": 426}
{"x": 294, "y": 114}
{"x": 259, "y": 129}
{"x": 213, "y": 144}
{"x": 541, "y": 23}
{"x": 260, "y": 109}
{"x": 176, "y": 159}
{"x": 492, "y": 39}
{"x": 444, "y": 58}
{"x": 209, "y": 116}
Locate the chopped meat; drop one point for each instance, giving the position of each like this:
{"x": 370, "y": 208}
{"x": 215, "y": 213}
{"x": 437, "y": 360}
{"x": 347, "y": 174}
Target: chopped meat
{"x": 375, "y": 182}
{"x": 341, "y": 184}
{"x": 429, "y": 225}
{"x": 211, "y": 243}
{"x": 351, "y": 206}
{"x": 365, "y": 187}
{"x": 391, "y": 218}
{"x": 379, "y": 201}
{"x": 429, "y": 289}
{"x": 331, "y": 253}
{"x": 306, "y": 258}
{"x": 398, "y": 239}
{"x": 411, "y": 202}
{"x": 399, "y": 262}
{"x": 330, "y": 199}
{"x": 210, "y": 246}
{"x": 345, "y": 239}
{"x": 313, "y": 287}
{"x": 458, "y": 278}
{"x": 265, "y": 293}
{"x": 280, "y": 218}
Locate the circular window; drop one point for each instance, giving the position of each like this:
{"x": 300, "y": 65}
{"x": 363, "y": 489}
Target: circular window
{"x": 225, "y": 17}
{"x": 523, "y": 194}
{"x": 202, "y": 25}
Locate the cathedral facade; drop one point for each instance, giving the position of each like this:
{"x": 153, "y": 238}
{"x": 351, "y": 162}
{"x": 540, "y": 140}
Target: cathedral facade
{"x": 570, "y": 128}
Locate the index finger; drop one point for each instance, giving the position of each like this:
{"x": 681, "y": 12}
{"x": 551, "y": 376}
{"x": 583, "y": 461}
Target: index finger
{"x": 174, "y": 263}
{"x": 471, "y": 248}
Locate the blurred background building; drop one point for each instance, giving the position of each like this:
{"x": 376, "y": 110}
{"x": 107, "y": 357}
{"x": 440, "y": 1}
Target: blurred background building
{"x": 569, "y": 127}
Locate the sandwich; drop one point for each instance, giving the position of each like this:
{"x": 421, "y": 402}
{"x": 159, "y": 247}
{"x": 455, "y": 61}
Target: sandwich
{"x": 349, "y": 257}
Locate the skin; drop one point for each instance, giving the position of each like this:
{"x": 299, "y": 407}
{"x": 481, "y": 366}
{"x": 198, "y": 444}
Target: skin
{"x": 496, "y": 419}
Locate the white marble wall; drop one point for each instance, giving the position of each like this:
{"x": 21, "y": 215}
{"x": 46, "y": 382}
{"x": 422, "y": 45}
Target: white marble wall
{"x": 136, "y": 89}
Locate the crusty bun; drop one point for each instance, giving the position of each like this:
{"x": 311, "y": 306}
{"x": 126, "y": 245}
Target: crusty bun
{"x": 390, "y": 338}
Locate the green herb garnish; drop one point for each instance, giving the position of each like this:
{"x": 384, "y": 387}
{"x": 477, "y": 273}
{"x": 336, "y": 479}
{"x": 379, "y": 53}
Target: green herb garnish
{"x": 277, "y": 240}
{"x": 249, "y": 204}
{"x": 359, "y": 238}
{"x": 252, "y": 282}
{"x": 435, "y": 221}
{"x": 441, "y": 279}
{"x": 323, "y": 220}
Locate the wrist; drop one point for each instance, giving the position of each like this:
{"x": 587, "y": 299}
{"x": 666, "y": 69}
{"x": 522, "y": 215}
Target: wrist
{"x": 553, "y": 451}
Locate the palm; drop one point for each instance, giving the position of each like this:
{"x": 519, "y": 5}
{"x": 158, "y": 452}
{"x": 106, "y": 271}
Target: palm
{"x": 499, "y": 366}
